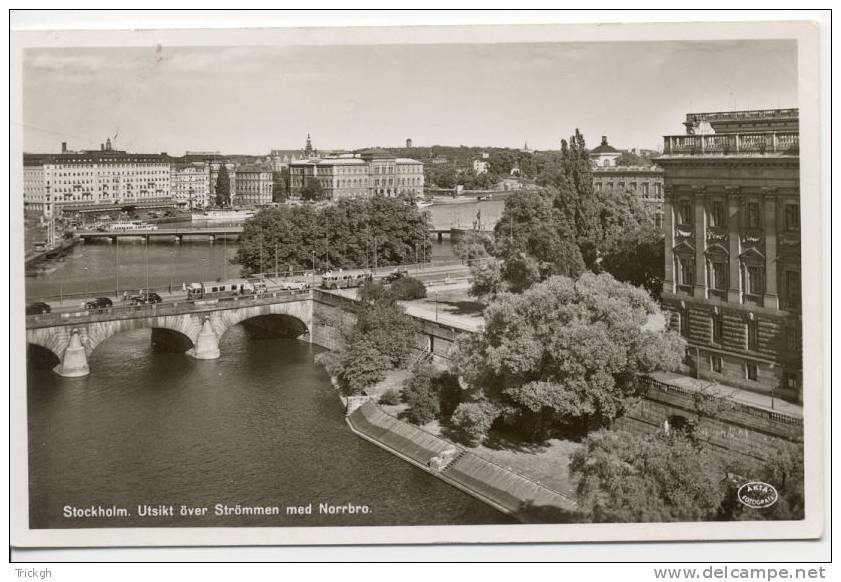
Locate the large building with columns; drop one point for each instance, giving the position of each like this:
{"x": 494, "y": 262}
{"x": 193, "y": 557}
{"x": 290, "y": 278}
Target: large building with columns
{"x": 732, "y": 258}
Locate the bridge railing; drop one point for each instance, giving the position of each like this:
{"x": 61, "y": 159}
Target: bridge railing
{"x": 162, "y": 309}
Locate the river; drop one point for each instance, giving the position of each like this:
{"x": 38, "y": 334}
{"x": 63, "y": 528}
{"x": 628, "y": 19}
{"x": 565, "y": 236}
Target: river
{"x": 261, "y": 426}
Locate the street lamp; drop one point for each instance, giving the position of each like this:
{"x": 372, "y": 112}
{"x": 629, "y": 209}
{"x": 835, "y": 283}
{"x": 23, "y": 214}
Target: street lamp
{"x": 436, "y": 305}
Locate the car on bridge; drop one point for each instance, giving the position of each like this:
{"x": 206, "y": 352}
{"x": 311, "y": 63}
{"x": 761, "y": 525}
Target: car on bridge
{"x": 294, "y": 285}
{"x": 394, "y": 275}
{"x": 98, "y": 303}
{"x": 145, "y": 298}
{"x": 344, "y": 280}
{"x": 38, "y": 308}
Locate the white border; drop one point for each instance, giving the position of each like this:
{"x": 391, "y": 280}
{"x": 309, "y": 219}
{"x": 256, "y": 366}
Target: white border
{"x": 809, "y": 100}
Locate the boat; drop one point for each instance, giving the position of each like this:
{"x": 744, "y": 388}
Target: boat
{"x": 223, "y": 215}
{"x": 423, "y": 203}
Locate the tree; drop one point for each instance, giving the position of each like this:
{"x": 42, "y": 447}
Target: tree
{"x": 421, "y": 396}
{"x": 474, "y": 245}
{"x": 486, "y": 280}
{"x": 566, "y": 353}
{"x": 223, "y": 187}
{"x": 474, "y": 419}
{"x": 280, "y": 185}
{"x": 626, "y": 477}
{"x": 408, "y": 288}
{"x": 360, "y": 365}
{"x": 348, "y": 234}
{"x": 638, "y": 259}
{"x": 313, "y": 191}
{"x": 535, "y": 241}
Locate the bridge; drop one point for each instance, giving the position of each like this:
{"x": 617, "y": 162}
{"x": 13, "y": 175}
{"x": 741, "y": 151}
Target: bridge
{"x": 72, "y": 337}
{"x": 176, "y": 234}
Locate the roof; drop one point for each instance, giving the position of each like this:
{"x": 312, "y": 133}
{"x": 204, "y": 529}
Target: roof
{"x": 604, "y": 148}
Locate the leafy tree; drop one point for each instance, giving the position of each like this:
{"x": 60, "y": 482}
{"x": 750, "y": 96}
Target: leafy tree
{"x": 626, "y": 477}
{"x": 421, "y": 395}
{"x": 565, "y": 353}
{"x": 223, "y": 187}
{"x": 486, "y": 280}
{"x": 361, "y": 364}
{"x": 347, "y": 234}
{"x": 313, "y": 191}
{"x": 280, "y": 185}
{"x": 638, "y": 259}
{"x": 535, "y": 240}
{"x": 474, "y": 245}
{"x": 390, "y": 397}
{"x": 387, "y": 327}
{"x": 408, "y": 288}
{"x": 473, "y": 420}
{"x": 783, "y": 469}
{"x": 374, "y": 292}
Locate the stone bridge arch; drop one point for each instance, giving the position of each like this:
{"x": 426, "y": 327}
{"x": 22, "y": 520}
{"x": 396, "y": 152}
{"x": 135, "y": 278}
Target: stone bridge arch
{"x": 74, "y": 343}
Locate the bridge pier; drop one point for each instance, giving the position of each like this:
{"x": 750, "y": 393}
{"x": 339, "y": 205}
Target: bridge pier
{"x": 440, "y": 236}
{"x": 207, "y": 344}
{"x": 74, "y": 361}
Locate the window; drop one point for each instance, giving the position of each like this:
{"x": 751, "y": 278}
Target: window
{"x": 598, "y": 186}
{"x": 685, "y": 270}
{"x": 792, "y": 288}
{"x": 753, "y": 214}
{"x": 683, "y": 323}
{"x": 754, "y": 279}
{"x": 715, "y": 364}
{"x": 684, "y": 212}
{"x": 793, "y": 339}
{"x": 717, "y": 214}
{"x": 610, "y": 185}
{"x": 792, "y": 217}
{"x": 751, "y": 372}
{"x": 718, "y": 328}
{"x": 791, "y": 381}
{"x": 718, "y": 275}
{"x": 752, "y": 333}
{"x": 621, "y": 185}
{"x": 645, "y": 189}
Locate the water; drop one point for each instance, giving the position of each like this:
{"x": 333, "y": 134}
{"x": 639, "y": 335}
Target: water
{"x": 261, "y": 426}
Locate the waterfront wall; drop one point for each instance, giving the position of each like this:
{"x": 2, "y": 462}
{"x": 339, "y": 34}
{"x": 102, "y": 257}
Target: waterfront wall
{"x": 332, "y": 311}
{"x": 736, "y": 427}
{"x": 503, "y": 489}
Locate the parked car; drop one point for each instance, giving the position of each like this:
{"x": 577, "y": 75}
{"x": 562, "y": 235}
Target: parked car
{"x": 394, "y": 275}
{"x": 145, "y": 298}
{"x": 38, "y": 308}
{"x": 99, "y": 303}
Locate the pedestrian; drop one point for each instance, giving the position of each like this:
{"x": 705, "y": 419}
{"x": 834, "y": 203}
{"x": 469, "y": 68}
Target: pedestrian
{"x": 125, "y": 296}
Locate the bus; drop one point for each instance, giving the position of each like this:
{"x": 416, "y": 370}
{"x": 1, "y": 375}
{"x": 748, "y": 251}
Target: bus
{"x": 134, "y": 225}
{"x": 219, "y": 289}
{"x": 343, "y": 280}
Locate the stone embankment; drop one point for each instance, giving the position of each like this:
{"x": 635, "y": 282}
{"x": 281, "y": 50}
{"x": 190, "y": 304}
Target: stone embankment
{"x": 502, "y": 488}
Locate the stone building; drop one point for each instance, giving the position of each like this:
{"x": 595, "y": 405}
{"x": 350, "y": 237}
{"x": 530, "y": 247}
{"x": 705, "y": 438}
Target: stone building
{"x": 604, "y": 155}
{"x": 253, "y": 186}
{"x": 190, "y": 185}
{"x": 732, "y": 252}
{"x": 55, "y": 183}
{"x": 351, "y": 176}
{"x": 645, "y": 182}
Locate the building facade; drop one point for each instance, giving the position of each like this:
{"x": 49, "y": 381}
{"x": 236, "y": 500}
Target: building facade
{"x": 58, "y": 182}
{"x": 645, "y": 182}
{"x": 190, "y": 185}
{"x": 353, "y": 176}
{"x": 253, "y": 186}
{"x": 604, "y": 155}
{"x": 732, "y": 252}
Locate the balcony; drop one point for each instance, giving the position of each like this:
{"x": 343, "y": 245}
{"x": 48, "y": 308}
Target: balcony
{"x": 733, "y": 144}
{"x": 748, "y": 115}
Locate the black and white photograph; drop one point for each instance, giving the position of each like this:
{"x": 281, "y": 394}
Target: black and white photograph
{"x": 373, "y": 285}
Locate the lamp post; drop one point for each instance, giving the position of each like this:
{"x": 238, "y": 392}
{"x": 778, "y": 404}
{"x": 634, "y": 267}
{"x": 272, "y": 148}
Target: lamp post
{"x": 436, "y": 305}
{"x": 116, "y": 266}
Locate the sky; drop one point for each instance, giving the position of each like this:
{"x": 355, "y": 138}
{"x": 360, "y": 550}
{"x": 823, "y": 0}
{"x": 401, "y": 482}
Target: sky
{"x": 249, "y": 100}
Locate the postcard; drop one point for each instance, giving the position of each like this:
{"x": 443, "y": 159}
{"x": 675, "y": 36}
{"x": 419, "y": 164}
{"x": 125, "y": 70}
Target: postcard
{"x": 416, "y": 285}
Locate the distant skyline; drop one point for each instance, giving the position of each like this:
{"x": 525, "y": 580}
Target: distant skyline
{"x": 249, "y": 100}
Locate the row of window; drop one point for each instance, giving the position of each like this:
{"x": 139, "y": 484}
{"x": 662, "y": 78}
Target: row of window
{"x": 716, "y": 212}
{"x": 793, "y": 334}
{"x": 752, "y": 283}
{"x": 644, "y": 187}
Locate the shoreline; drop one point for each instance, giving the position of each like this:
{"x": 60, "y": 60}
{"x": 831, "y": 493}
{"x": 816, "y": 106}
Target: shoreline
{"x": 507, "y": 491}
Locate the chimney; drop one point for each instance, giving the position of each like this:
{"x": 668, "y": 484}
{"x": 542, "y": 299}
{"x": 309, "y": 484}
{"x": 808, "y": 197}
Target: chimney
{"x": 64, "y": 147}
{"x": 102, "y": 147}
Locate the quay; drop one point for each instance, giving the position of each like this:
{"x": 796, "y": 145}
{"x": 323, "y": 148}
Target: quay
{"x": 501, "y": 488}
